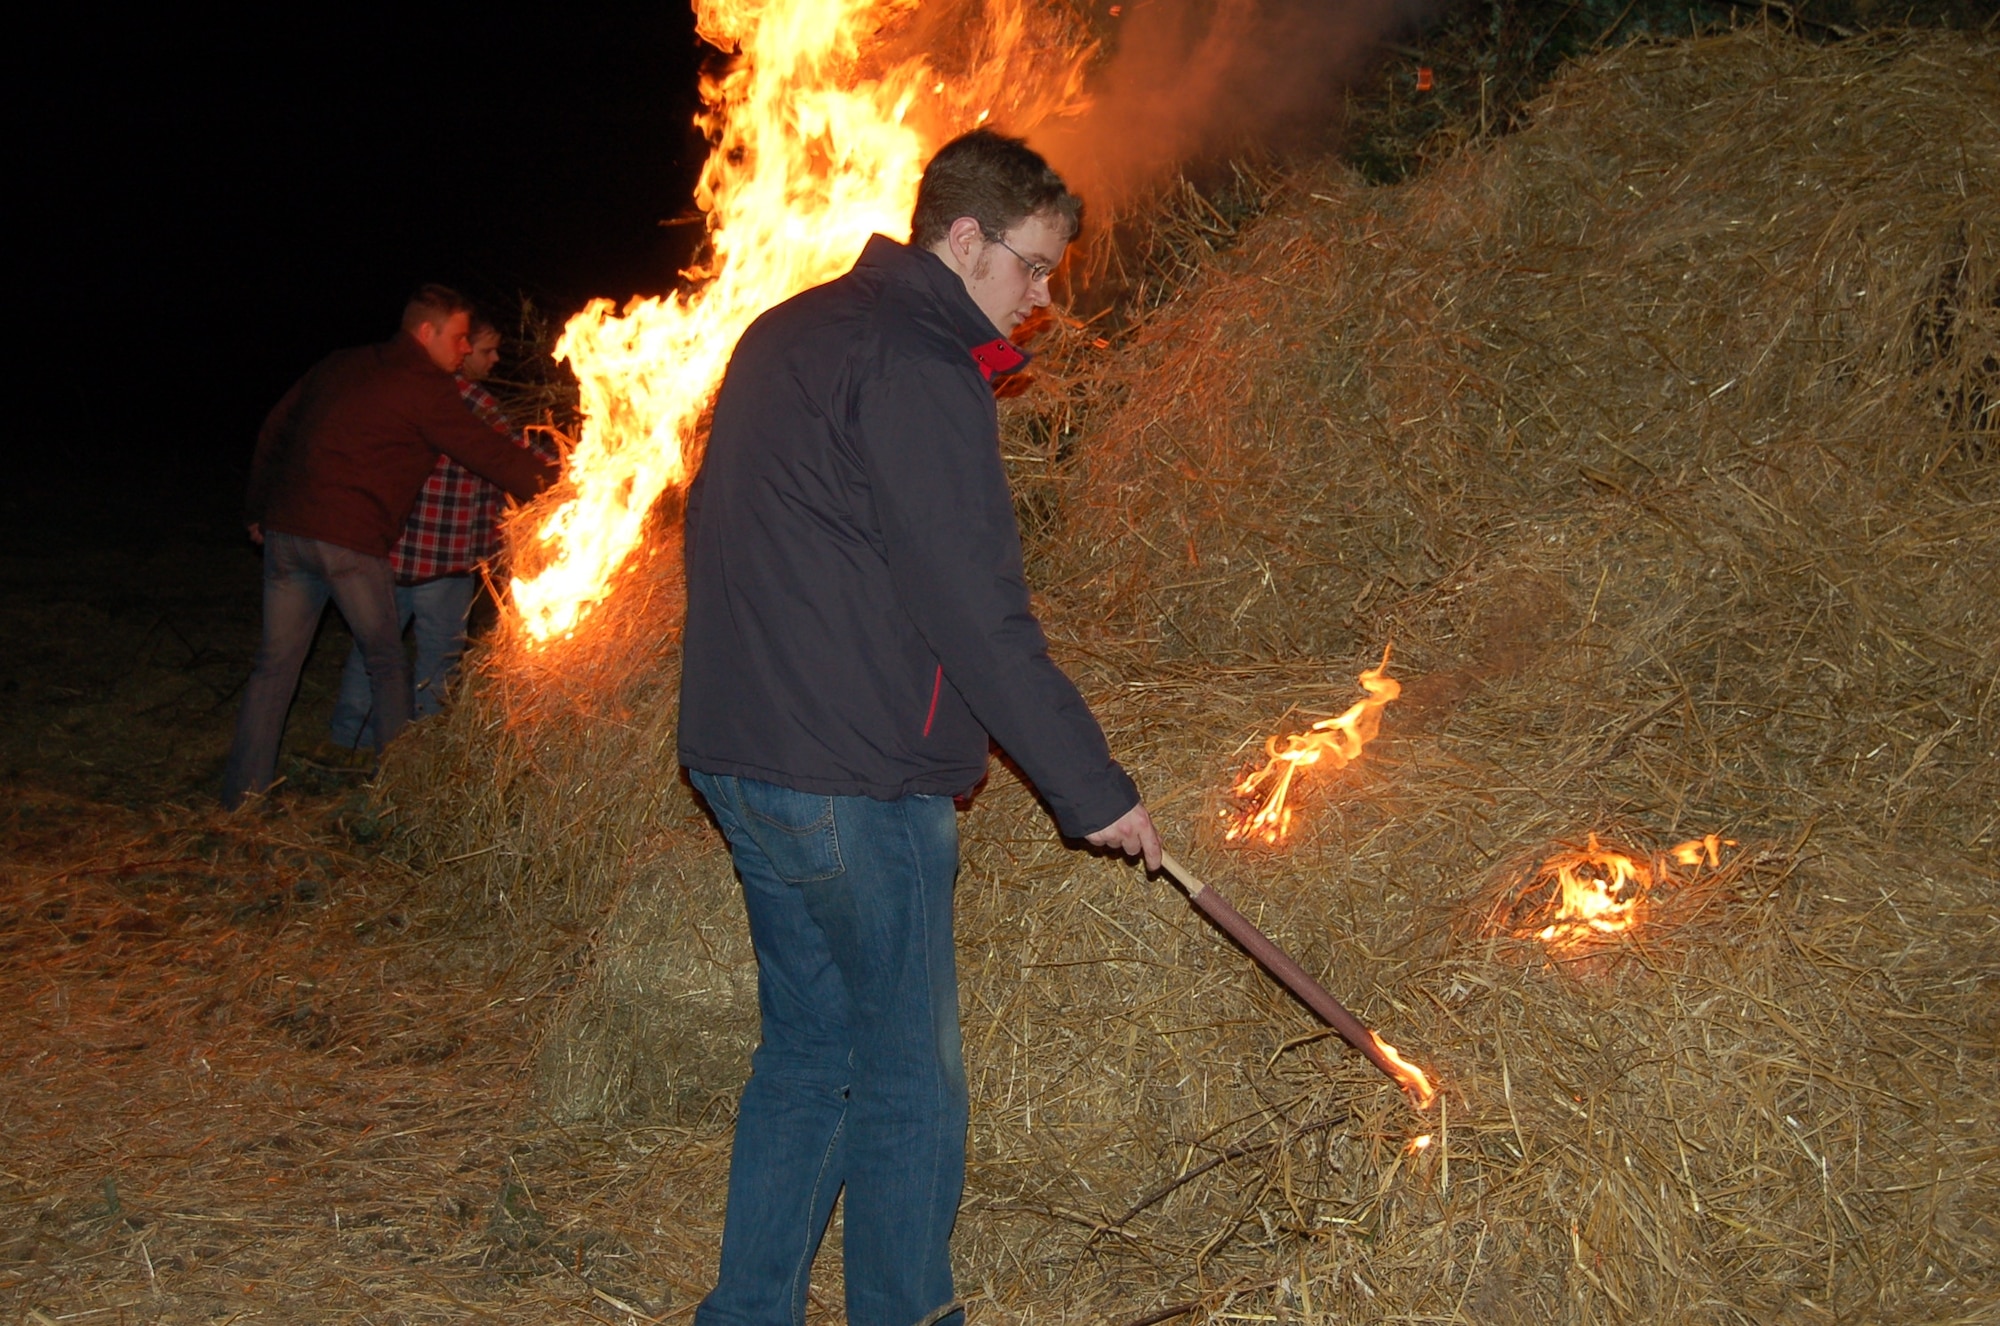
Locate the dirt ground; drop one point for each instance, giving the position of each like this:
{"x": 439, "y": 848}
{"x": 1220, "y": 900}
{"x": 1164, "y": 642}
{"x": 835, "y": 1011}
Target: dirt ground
{"x": 236, "y": 1083}
{"x": 132, "y": 619}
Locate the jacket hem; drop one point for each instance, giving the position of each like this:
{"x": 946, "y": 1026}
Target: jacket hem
{"x": 936, "y": 783}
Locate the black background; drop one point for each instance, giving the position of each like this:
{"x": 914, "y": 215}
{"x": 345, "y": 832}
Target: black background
{"x": 203, "y": 206}
{"x": 212, "y": 203}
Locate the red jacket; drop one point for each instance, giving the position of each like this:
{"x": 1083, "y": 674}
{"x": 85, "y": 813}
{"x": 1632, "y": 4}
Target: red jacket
{"x": 342, "y": 456}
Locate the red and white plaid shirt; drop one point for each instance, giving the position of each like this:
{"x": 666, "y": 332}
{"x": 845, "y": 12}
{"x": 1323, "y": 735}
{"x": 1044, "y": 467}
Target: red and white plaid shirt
{"x": 451, "y": 529}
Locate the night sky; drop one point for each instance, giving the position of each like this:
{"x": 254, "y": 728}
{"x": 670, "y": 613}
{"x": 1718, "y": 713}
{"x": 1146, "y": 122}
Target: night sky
{"x": 213, "y": 204}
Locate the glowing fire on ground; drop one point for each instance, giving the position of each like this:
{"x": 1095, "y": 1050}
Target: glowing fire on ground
{"x": 1334, "y": 743}
{"x": 1706, "y": 849}
{"x": 1600, "y": 891}
{"x": 820, "y": 134}
{"x": 1597, "y": 891}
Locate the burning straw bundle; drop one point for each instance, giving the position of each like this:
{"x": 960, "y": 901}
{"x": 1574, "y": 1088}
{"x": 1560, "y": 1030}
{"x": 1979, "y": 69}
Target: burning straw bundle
{"x": 1661, "y": 438}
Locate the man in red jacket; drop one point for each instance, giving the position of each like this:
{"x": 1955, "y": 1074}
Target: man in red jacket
{"x": 453, "y": 530}
{"x": 337, "y": 468}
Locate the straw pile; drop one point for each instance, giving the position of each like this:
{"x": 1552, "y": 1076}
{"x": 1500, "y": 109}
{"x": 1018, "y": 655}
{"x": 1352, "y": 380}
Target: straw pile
{"x": 1660, "y": 438}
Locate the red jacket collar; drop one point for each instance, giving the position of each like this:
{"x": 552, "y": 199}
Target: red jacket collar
{"x": 997, "y": 357}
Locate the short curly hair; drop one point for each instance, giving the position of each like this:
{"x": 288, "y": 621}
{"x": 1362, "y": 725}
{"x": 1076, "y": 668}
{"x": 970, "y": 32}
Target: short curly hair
{"x": 997, "y": 181}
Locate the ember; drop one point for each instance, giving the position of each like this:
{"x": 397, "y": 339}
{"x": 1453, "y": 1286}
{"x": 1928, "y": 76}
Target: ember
{"x": 1336, "y": 742}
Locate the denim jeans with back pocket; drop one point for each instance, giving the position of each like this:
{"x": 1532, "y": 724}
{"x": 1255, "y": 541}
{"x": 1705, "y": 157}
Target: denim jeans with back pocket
{"x": 859, "y": 1081}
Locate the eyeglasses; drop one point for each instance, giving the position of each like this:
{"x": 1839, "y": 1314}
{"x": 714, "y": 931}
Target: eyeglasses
{"x": 1037, "y": 271}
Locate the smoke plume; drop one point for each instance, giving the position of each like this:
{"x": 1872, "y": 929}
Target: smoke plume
{"x": 1193, "y": 80}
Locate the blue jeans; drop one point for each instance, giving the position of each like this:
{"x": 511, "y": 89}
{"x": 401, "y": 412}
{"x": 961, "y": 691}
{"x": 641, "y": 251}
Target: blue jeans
{"x": 300, "y": 574}
{"x": 859, "y": 1082}
{"x": 436, "y": 610}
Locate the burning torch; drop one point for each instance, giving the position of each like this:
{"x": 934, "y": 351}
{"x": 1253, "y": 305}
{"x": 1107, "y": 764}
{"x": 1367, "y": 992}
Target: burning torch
{"x": 1295, "y": 978}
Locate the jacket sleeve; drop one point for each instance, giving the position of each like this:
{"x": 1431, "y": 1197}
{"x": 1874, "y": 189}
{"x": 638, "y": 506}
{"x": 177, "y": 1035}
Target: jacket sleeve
{"x": 455, "y": 430}
{"x": 926, "y": 431}
{"x": 267, "y": 460}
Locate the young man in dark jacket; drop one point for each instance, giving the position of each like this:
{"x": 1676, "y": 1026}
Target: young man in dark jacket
{"x": 337, "y": 468}
{"x": 858, "y": 626}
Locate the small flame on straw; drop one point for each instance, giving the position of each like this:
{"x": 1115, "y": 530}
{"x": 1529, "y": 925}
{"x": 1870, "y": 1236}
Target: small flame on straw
{"x": 1336, "y": 742}
{"x": 1705, "y": 849}
{"x": 1600, "y": 891}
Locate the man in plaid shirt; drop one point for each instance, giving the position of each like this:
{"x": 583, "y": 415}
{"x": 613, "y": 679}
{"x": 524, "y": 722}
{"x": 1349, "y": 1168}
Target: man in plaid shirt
{"x": 452, "y": 529}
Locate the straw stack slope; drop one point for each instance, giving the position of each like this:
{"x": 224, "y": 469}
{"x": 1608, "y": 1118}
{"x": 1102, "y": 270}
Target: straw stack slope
{"x": 1660, "y": 438}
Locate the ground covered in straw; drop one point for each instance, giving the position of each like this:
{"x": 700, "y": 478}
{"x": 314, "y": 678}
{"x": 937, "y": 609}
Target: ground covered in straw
{"x": 242, "y": 1081}
{"x": 1659, "y": 438}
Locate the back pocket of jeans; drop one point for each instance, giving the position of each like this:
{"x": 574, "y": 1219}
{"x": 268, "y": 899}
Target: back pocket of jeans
{"x": 794, "y": 829}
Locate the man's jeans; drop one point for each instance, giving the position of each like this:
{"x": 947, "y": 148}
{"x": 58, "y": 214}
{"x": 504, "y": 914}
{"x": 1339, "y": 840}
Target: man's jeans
{"x": 300, "y": 574}
{"x": 859, "y": 1081}
{"x": 438, "y": 610}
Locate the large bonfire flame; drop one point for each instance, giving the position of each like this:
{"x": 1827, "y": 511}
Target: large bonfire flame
{"x": 820, "y": 135}
{"x": 1332, "y": 742}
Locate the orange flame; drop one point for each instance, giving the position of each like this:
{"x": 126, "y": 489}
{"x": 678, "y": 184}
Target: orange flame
{"x": 1336, "y": 742}
{"x": 1408, "y": 1075}
{"x": 819, "y": 139}
{"x": 1705, "y": 849}
{"x": 1598, "y": 892}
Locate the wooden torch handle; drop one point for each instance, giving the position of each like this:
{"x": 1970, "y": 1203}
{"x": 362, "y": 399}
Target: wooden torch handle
{"x": 1279, "y": 963}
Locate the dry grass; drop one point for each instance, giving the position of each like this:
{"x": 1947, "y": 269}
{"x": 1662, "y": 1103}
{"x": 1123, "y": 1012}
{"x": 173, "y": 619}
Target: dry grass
{"x": 233, "y": 1083}
{"x": 1660, "y": 438}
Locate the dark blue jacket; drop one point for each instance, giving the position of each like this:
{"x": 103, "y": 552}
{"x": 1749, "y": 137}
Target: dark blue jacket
{"x": 858, "y": 621}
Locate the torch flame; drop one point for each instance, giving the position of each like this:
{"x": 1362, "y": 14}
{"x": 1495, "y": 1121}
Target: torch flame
{"x": 1410, "y": 1077}
{"x": 819, "y": 140}
{"x": 1336, "y": 742}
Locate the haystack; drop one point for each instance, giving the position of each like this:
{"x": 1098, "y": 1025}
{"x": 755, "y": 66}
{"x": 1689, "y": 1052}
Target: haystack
{"x": 1660, "y": 438}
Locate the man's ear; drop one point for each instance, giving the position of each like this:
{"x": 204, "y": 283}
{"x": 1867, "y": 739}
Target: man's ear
{"x": 965, "y": 239}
